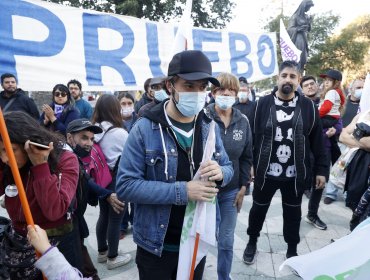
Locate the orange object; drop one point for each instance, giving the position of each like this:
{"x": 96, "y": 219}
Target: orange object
{"x": 15, "y": 172}
{"x": 194, "y": 259}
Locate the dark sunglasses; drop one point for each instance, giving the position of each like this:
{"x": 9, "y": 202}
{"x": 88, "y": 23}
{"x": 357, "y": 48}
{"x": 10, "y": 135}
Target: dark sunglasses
{"x": 60, "y": 94}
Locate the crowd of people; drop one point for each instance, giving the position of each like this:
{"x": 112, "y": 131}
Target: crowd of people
{"x": 137, "y": 161}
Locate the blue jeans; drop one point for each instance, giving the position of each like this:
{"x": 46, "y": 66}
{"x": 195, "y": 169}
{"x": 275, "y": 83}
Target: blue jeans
{"x": 331, "y": 190}
{"x": 226, "y": 230}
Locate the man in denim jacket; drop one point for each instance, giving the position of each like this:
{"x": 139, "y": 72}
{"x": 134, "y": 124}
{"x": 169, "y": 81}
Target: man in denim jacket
{"x": 163, "y": 152}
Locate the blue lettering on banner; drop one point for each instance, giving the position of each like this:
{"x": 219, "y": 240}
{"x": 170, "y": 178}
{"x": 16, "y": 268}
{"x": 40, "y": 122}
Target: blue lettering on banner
{"x": 96, "y": 58}
{"x": 240, "y": 55}
{"x": 10, "y": 47}
{"x": 200, "y": 36}
{"x": 262, "y": 49}
{"x": 153, "y": 52}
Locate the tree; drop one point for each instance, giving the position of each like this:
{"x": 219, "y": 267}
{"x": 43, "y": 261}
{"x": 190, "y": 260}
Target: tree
{"x": 205, "y": 13}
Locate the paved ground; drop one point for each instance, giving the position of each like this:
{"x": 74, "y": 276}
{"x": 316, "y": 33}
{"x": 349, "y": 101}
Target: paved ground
{"x": 271, "y": 245}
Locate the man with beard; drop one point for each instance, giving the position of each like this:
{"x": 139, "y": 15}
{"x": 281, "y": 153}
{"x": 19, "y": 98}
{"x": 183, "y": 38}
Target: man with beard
{"x": 286, "y": 130}
{"x": 15, "y": 99}
{"x": 82, "y": 105}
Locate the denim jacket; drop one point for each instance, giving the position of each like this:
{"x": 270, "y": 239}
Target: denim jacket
{"x": 147, "y": 176}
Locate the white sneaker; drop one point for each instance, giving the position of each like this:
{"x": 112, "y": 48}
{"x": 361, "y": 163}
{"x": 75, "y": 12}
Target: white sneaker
{"x": 102, "y": 257}
{"x": 118, "y": 261}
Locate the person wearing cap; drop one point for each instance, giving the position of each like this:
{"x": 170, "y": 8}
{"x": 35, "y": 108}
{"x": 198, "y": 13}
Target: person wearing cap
{"x": 80, "y": 140}
{"x": 236, "y": 136}
{"x": 330, "y": 108}
{"x": 162, "y": 154}
{"x": 286, "y": 130}
{"x": 146, "y": 98}
{"x": 157, "y": 86}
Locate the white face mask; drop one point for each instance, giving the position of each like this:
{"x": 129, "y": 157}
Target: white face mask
{"x": 127, "y": 111}
{"x": 225, "y": 102}
{"x": 191, "y": 103}
{"x": 358, "y": 93}
{"x": 160, "y": 95}
{"x": 243, "y": 95}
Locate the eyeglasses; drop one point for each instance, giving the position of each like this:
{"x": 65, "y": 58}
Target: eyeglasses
{"x": 60, "y": 94}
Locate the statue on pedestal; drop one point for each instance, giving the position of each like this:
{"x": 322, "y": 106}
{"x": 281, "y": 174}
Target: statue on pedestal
{"x": 298, "y": 27}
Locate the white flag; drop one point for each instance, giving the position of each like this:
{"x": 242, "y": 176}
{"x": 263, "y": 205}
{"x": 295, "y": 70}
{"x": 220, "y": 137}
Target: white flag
{"x": 184, "y": 30}
{"x": 365, "y": 96}
{"x": 200, "y": 217}
{"x": 288, "y": 50}
{"x": 346, "y": 258}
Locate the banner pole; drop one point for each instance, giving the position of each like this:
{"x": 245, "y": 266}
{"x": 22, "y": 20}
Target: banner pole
{"x": 194, "y": 259}
{"x": 16, "y": 174}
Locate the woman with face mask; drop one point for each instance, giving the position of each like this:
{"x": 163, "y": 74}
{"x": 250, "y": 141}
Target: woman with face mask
{"x": 129, "y": 116}
{"x": 236, "y": 136}
{"x": 107, "y": 115}
{"x": 61, "y": 111}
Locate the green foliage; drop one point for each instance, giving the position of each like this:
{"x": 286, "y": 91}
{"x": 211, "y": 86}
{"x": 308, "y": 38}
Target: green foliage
{"x": 205, "y": 13}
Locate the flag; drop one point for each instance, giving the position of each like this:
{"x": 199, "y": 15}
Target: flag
{"x": 288, "y": 50}
{"x": 346, "y": 258}
{"x": 365, "y": 96}
{"x": 183, "y": 34}
{"x": 200, "y": 217}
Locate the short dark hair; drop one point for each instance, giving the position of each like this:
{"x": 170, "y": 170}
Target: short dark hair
{"x": 289, "y": 64}
{"x": 75, "y": 82}
{"x": 306, "y": 78}
{"x": 7, "y": 75}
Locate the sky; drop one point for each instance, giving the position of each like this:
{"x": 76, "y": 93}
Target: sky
{"x": 249, "y": 15}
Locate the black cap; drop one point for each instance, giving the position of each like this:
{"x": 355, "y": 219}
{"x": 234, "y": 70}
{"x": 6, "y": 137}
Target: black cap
{"x": 243, "y": 80}
{"x": 83, "y": 124}
{"x": 333, "y": 74}
{"x": 157, "y": 80}
{"x": 192, "y": 65}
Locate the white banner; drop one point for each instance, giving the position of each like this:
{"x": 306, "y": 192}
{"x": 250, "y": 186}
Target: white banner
{"x": 288, "y": 50}
{"x": 365, "y": 96}
{"x": 346, "y": 258}
{"x": 44, "y": 44}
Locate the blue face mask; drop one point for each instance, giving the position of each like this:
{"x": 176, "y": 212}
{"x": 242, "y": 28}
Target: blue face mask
{"x": 225, "y": 102}
{"x": 191, "y": 103}
{"x": 358, "y": 93}
{"x": 160, "y": 95}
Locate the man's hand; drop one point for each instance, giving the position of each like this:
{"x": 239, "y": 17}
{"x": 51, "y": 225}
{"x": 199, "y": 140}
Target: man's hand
{"x": 37, "y": 155}
{"x": 238, "y": 202}
{"x": 320, "y": 182}
{"x": 201, "y": 190}
{"x": 211, "y": 171}
{"x": 116, "y": 204}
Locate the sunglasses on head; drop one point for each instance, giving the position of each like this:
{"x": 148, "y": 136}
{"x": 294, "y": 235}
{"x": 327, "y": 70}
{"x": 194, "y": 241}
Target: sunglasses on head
{"x": 60, "y": 94}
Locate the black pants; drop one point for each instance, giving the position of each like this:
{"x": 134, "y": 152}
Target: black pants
{"x": 165, "y": 267}
{"x": 291, "y": 209}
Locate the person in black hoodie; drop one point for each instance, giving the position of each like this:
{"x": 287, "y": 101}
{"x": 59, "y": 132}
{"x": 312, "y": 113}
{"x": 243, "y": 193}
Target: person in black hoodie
{"x": 15, "y": 99}
{"x": 286, "y": 130}
{"x": 236, "y": 136}
{"x": 163, "y": 152}
{"x": 146, "y": 98}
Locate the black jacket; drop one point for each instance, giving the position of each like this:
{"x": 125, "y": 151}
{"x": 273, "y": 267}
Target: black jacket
{"x": 22, "y": 103}
{"x": 237, "y": 140}
{"x": 307, "y": 133}
{"x": 247, "y": 109}
{"x": 144, "y": 100}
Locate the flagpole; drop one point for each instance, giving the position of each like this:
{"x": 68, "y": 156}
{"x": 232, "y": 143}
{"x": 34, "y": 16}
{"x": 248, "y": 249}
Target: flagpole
{"x": 15, "y": 171}
{"x": 194, "y": 259}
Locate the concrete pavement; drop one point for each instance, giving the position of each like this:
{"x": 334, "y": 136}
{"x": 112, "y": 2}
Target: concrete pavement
{"x": 271, "y": 245}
